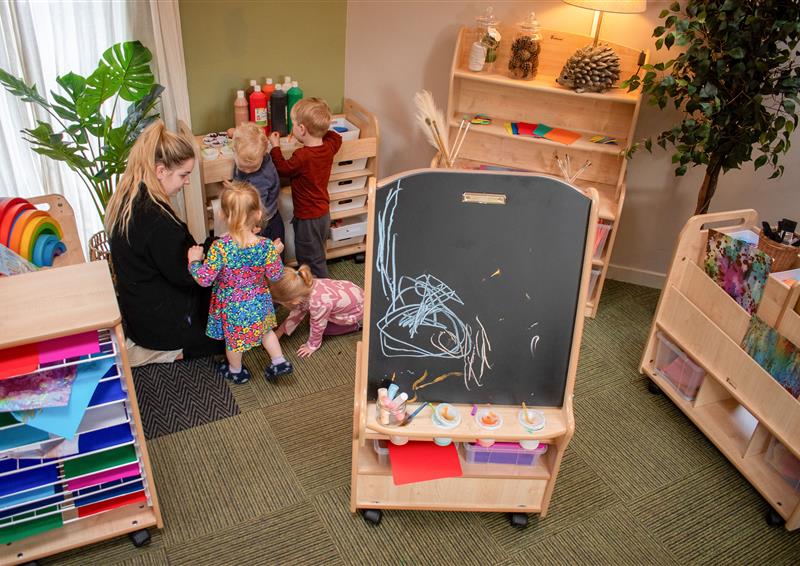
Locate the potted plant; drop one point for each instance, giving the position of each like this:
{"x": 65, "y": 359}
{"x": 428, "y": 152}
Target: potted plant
{"x": 92, "y": 143}
{"x": 736, "y": 82}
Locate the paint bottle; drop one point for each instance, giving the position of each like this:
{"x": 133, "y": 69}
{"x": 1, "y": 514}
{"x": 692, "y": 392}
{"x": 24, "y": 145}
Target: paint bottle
{"x": 241, "y": 108}
{"x": 294, "y": 96}
{"x": 287, "y": 83}
{"x": 278, "y": 111}
{"x": 267, "y": 89}
{"x": 258, "y": 107}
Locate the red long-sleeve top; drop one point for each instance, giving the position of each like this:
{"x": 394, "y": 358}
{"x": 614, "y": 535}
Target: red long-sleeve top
{"x": 309, "y": 169}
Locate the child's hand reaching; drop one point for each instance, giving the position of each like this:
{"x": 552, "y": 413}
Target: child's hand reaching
{"x": 275, "y": 139}
{"x": 195, "y": 253}
{"x": 305, "y": 351}
{"x": 278, "y": 245}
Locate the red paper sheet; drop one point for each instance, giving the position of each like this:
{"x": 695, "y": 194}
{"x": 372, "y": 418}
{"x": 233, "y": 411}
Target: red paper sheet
{"x": 18, "y": 360}
{"x": 65, "y": 347}
{"x": 562, "y": 136}
{"x": 100, "y": 506}
{"x": 423, "y": 461}
{"x": 525, "y": 129}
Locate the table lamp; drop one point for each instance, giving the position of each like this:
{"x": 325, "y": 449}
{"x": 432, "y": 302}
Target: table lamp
{"x": 600, "y": 6}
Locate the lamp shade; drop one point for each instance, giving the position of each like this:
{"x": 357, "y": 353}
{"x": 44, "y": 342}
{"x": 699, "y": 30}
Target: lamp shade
{"x": 617, "y": 6}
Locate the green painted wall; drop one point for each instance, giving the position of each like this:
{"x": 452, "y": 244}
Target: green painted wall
{"x": 228, "y": 42}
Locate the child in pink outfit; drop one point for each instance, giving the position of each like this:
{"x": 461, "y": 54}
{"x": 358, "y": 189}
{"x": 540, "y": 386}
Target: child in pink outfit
{"x": 335, "y": 307}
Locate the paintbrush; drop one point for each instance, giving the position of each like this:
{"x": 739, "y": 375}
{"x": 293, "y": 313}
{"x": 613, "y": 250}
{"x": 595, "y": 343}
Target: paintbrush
{"x": 416, "y": 412}
{"x": 463, "y": 137}
{"x": 429, "y": 117}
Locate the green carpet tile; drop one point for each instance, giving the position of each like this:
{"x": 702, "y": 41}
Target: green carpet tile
{"x": 639, "y": 484}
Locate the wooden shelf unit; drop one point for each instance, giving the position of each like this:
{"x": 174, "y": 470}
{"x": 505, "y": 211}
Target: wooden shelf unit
{"x": 739, "y": 406}
{"x": 80, "y": 298}
{"x": 213, "y": 172}
{"x": 613, "y": 113}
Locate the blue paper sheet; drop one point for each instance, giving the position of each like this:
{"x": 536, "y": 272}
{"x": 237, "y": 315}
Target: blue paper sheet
{"x": 13, "y": 437}
{"x": 107, "y": 392}
{"x": 28, "y": 479}
{"x": 103, "y": 438}
{"x": 17, "y": 498}
{"x": 64, "y": 421}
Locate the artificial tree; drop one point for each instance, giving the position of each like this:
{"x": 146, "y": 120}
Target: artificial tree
{"x": 89, "y": 141}
{"x": 735, "y": 80}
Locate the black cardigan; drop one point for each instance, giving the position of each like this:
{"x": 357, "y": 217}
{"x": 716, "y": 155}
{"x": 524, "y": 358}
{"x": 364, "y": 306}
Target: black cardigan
{"x": 162, "y": 306}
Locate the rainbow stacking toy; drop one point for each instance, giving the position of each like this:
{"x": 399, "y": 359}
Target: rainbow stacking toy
{"x": 31, "y": 233}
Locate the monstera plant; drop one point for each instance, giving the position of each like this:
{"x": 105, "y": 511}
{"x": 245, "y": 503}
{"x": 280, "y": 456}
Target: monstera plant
{"x": 91, "y": 142}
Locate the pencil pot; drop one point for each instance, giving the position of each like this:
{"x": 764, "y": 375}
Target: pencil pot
{"x": 394, "y": 415}
{"x": 783, "y": 255}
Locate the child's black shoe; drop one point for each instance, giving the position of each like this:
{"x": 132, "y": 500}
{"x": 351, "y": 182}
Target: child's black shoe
{"x": 276, "y": 370}
{"x": 242, "y": 376}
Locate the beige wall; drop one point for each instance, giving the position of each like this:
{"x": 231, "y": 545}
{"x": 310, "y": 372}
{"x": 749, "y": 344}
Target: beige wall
{"x": 228, "y": 42}
{"x": 395, "y": 48}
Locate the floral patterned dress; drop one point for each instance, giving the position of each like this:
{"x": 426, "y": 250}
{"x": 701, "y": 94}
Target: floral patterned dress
{"x": 241, "y": 309}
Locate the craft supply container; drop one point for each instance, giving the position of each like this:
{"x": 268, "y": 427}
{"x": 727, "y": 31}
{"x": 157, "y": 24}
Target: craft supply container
{"x": 523, "y": 62}
{"x": 678, "y": 368}
{"x": 503, "y": 453}
{"x": 441, "y": 420}
{"x": 392, "y": 417}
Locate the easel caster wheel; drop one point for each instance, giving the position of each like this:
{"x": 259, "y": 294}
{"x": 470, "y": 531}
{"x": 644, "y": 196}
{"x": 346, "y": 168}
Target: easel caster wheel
{"x": 774, "y": 518}
{"x": 373, "y": 516}
{"x": 653, "y": 388}
{"x": 31, "y": 563}
{"x": 518, "y": 520}
{"x": 360, "y": 257}
{"x": 140, "y": 538}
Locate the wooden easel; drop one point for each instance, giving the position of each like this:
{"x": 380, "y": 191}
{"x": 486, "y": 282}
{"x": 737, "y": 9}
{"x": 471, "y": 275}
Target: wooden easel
{"x": 484, "y": 487}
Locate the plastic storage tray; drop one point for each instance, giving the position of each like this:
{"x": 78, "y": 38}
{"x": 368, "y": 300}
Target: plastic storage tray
{"x": 592, "y": 282}
{"x": 334, "y": 244}
{"x": 349, "y": 203}
{"x": 784, "y": 462}
{"x": 349, "y": 165}
{"x": 677, "y": 368}
{"x": 352, "y": 132}
{"x": 503, "y": 453}
{"x": 347, "y": 185}
{"x": 349, "y": 227}
{"x": 382, "y": 450}
{"x": 601, "y": 235}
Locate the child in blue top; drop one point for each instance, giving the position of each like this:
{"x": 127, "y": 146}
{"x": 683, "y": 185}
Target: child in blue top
{"x": 254, "y": 166}
{"x": 239, "y": 265}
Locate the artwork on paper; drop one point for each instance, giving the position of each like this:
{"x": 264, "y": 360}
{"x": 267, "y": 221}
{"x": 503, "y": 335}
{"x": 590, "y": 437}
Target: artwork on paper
{"x": 47, "y": 388}
{"x": 777, "y": 355}
{"x": 741, "y": 269}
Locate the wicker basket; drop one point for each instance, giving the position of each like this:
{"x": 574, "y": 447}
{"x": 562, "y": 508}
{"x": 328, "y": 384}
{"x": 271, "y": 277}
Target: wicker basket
{"x": 783, "y": 255}
{"x": 99, "y": 248}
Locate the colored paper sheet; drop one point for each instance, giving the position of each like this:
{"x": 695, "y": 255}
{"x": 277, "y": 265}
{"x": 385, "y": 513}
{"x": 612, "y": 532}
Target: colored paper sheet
{"x": 105, "y": 438}
{"x": 17, "y": 436}
{"x": 131, "y": 498}
{"x": 127, "y": 471}
{"x": 778, "y": 356}
{"x": 741, "y": 269}
{"x": 562, "y": 136}
{"x": 94, "y": 495}
{"x": 526, "y": 129}
{"x": 100, "y": 461}
{"x": 47, "y": 388}
{"x": 67, "y": 347}
{"x": 29, "y": 528}
{"x": 514, "y": 128}
{"x": 542, "y": 130}
{"x": 33, "y": 495}
{"x": 508, "y": 128}
{"x": 18, "y": 360}
{"x": 24, "y": 510}
{"x": 423, "y": 461}
{"x": 28, "y": 479}
{"x": 64, "y": 421}
{"x": 107, "y": 392}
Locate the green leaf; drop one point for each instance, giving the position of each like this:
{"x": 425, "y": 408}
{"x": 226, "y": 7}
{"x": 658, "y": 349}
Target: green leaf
{"x": 669, "y": 40}
{"x": 124, "y": 70}
{"x": 18, "y": 88}
{"x": 737, "y": 53}
{"x": 658, "y": 31}
{"x": 788, "y": 105}
{"x": 99, "y": 88}
{"x": 680, "y": 171}
{"x": 675, "y": 7}
{"x": 73, "y": 84}
{"x": 760, "y": 162}
{"x": 663, "y": 13}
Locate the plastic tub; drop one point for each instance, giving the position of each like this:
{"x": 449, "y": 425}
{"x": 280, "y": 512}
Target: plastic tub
{"x": 592, "y": 282}
{"x": 601, "y": 235}
{"x": 349, "y": 227}
{"x": 350, "y": 131}
{"x": 677, "y": 368}
{"x": 333, "y": 244}
{"x": 349, "y": 165}
{"x": 344, "y": 185}
{"x": 348, "y": 203}
{"x": 503, "y": 453}
{"x": 784, "y": 462}
{"x": 382, "y": 450}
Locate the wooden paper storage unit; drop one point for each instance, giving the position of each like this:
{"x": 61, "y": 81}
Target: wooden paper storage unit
{"x": 738, "y": 406}
{"x": 49, "y": 304}
{"x": 613, "y": 113}
{"x": 352, "y": 153}
{"x": 438, "y": 194}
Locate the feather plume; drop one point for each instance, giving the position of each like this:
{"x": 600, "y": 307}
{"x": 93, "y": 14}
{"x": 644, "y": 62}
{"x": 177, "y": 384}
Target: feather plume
{"x": 432, "y": 122}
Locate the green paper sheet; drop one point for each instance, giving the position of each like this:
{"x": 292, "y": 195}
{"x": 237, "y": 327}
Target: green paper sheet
{"x": 29, "y": 528}
{"x": 100, "y": 461}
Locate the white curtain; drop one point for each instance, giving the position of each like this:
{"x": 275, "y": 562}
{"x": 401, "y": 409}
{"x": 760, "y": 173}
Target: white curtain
{"x": 38, "y": 42}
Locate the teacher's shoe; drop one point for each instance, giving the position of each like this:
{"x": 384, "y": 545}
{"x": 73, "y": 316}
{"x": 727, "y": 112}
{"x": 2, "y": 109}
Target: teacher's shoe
{"x": 276, "y": 370}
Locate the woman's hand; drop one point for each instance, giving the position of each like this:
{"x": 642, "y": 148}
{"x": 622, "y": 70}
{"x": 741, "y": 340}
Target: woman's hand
{"x": 195, "y": 253}
{"x": 278, "y": 245}
{"x": 305, "y": 351}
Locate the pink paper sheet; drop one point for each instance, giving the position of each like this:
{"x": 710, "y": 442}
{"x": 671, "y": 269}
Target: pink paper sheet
{"x": 105, "y": 476}
{"x": 65, "y": 347}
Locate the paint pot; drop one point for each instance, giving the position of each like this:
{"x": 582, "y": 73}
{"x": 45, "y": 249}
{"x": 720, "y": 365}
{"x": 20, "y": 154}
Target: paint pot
{"x": 445, "y": 416}
{"x": 398, "y": 440}
{"x": 210, "y": 153}
{"x": 531, "y": 420}
{"x": 530, "y": 444}
{"x": 226, "y": 151}
{"x": 485, "y": 442}
{"x": 489, "y": 419}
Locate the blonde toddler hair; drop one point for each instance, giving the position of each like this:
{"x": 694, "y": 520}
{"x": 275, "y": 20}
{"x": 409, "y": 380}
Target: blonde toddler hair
{"x": 295, "y": 284}
{"x": 249, "y": 144}
{"x": 241, "y": 208}
{"x": 314, "y": 114}
{"x": 155, "y": 146}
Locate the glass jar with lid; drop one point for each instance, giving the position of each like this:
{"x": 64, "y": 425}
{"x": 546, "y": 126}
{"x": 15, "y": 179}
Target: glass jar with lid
{"x": 523, "y": 61}
{"x": 488, "y": 35}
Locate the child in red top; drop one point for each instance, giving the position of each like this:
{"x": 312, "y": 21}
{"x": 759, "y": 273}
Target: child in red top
{"x": 309, "y": 169}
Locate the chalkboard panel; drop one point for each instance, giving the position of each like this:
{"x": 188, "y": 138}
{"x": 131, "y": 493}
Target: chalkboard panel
{"x": 471, "y": 302}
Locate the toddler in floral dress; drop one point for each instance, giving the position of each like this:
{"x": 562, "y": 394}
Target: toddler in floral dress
{"x": 334, "y": 307}
{"x": 239, "y": 264}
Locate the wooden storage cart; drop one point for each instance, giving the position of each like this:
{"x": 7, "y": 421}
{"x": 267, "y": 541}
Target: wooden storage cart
{"x": 738, "y": 406}
{"x": 613, "y": 113}
{"x": 71, "y": 299}
{"x": 515, "y": 489}
{"x": 213, "y": 172}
